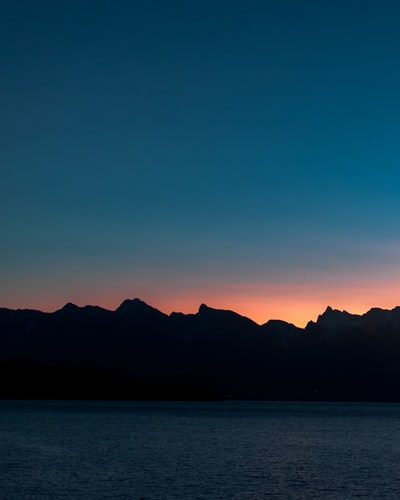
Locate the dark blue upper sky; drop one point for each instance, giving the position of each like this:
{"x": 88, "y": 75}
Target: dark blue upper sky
{"x": 244, "y": 154}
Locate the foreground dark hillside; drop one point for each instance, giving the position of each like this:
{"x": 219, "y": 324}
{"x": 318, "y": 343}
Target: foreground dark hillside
{"x": 137, "y": 352}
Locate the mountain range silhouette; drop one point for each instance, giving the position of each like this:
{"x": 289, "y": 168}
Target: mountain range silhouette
{"x": 138, "y": 352}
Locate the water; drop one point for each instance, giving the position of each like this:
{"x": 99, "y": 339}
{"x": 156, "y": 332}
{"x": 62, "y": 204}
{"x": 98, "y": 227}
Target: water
{"x": 239, "y": 450}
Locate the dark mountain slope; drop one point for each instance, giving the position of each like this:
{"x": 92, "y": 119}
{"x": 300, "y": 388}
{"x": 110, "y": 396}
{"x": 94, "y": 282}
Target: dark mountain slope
{"x": 341, "y": 356}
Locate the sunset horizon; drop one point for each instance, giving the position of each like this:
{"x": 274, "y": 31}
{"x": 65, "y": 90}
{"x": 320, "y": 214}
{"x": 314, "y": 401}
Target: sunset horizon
{"x": 296, "y": 312}
{"x": 246, "y": 157}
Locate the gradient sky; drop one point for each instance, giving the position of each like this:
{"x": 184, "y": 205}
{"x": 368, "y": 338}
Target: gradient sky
{"x": 244, "y": 154}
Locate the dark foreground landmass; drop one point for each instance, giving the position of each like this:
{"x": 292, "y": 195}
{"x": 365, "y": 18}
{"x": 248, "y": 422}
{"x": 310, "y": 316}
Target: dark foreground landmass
{"x": 137, "y": 352}
{"x": 27, "y": 380}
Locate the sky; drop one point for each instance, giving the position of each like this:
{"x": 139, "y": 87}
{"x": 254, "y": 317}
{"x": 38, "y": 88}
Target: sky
{"x": 242, "y": 154}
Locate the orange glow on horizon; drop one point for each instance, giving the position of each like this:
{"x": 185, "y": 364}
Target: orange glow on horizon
{"x": 295, "y": 303}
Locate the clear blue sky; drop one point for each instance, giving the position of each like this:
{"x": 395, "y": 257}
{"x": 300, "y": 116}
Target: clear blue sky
{"x": 244, "y": 154}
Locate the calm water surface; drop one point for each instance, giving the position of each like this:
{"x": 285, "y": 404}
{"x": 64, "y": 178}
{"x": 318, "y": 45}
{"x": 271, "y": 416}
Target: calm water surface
{"x": 240, "y": 450}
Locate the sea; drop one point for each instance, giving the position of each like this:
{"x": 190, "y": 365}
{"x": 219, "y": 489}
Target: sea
{"x": 198, "y": 450}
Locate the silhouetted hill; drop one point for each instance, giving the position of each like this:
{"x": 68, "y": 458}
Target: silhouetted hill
{"x": 137, "y": 351}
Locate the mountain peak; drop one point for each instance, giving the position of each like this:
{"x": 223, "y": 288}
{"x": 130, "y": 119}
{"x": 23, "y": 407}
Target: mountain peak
{"x": 330, "y": 313}
{"x": 204, "y": 308}
{"x": 132, "y": 305}
{"x": 69, "y": 307}
{"x": 136, "y": 307}
{"x": 334, "y": 318}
